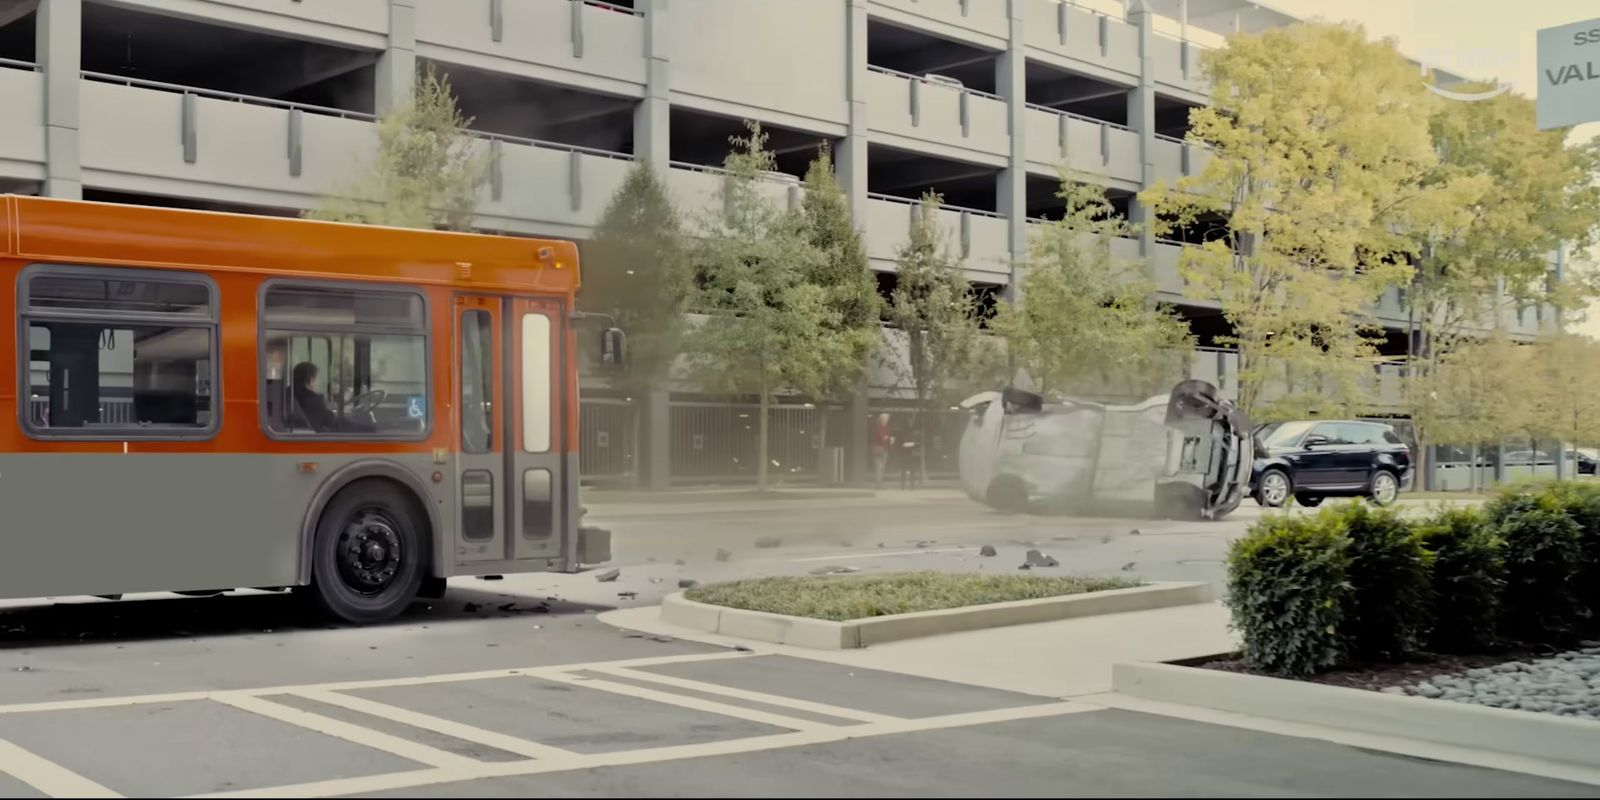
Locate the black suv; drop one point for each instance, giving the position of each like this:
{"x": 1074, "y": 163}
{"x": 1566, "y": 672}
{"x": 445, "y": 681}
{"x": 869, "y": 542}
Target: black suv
{"x": 1313, "y": 459}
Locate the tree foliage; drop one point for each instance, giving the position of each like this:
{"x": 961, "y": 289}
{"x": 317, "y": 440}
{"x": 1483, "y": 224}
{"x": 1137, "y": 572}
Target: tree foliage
{"x": 934, "y": 307}
{"x": 636, "y": 268}
{"x": 766, "y": 327}
{"x": 1535, "y": 195}
{"x": 1085, "y": 318}
{"x": 426, "y": 173}
{"x": 1320, "y": 146}
{"x": 844, "y": 273}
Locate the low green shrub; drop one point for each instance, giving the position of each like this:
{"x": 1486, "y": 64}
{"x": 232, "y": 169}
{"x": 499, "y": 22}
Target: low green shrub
{"x": 1468, "y": 576}
{"x": 1288, "y": 591}
{"x": 1543, "y": 557}
{"x": 1391, "y": 589}
{"x": 1581, "y": 501}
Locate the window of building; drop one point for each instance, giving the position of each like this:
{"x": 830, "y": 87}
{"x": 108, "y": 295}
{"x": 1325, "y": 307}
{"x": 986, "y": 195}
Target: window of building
{"x": 344, "y": 362}
{"x": 123, "y": 353}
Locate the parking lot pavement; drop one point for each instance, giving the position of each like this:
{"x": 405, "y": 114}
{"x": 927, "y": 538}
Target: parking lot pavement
{"x": 715, "y": 722}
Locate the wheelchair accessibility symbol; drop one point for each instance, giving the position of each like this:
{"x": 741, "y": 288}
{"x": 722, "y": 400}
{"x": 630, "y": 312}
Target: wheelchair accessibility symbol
{"x": 414, "y": 408}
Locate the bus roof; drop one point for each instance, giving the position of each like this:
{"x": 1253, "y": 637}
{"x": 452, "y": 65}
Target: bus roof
{"x": 80, "y": 232}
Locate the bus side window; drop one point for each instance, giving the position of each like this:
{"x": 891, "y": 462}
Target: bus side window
{"x": 118, "y": 351}
{"x": 358, "y": 355}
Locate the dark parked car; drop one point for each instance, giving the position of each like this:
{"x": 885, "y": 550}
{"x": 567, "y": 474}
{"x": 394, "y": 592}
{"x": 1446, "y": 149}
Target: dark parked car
{"x": 1313, "y": 459}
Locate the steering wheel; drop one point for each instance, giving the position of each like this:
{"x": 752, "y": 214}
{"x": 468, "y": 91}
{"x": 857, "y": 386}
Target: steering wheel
{"x": 365, "y": 402}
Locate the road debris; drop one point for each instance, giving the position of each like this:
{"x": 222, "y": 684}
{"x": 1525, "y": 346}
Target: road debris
{"x": 835, "y": 569}
{"x": 609, "y": 575}
{"x": 987, "y": 551}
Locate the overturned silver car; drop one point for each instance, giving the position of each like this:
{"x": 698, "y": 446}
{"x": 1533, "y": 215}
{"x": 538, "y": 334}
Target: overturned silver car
{"x": 1185, "y": 455}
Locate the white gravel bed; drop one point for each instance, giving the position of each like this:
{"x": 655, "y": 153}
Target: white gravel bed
{"x": 1567, "y": 684}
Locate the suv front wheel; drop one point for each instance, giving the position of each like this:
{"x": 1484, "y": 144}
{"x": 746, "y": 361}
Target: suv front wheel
{"x": 1274, "y": 489}
{"x": 1385, "y": 488}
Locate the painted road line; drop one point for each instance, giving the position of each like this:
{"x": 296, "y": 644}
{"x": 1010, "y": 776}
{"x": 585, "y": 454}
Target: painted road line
{"x": 692, "y": 703}
{"x": 885, "y": 554}
{"x": 366, "y": 737}
{"x": 45, "y": 776}
{"x": 823, "y": 735}
{"x": 451, "y": 728}
{"x": 824, "y": 709}
{"x": 103, "y": 702}
{"x": 377, "y": 683}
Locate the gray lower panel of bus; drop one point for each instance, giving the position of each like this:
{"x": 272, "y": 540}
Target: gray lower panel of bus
{"x": 94, "y": 524}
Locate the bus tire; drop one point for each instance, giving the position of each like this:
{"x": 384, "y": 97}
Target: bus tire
{"x": 369, "y": 557}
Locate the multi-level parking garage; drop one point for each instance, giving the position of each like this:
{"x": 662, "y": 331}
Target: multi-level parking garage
{"x": 261, "y": 105}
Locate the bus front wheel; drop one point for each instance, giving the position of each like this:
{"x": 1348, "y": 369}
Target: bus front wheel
{"x": 368, "y": 561}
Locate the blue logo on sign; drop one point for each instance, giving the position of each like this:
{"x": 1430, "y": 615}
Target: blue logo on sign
{"x": 414, "y": 408}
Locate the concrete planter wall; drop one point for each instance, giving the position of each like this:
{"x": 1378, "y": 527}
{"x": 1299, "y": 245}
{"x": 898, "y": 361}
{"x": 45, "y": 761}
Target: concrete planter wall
{"x": 828, "y": 635}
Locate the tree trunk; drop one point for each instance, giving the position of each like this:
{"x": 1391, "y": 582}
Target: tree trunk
{"x": 761, "y": 440}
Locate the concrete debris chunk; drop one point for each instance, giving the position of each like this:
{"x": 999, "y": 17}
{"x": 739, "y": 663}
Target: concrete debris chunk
{"x": 1038, "y": 559}
{"x": 987, "y": 551}
{"x": 835, "y": 569}
{"x": 609, "y": 575}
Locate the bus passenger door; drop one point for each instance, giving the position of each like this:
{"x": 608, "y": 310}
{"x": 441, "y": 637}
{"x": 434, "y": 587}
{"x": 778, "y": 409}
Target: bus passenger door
{"x": 480, "y": 443}
{"x": 536, "y": 461}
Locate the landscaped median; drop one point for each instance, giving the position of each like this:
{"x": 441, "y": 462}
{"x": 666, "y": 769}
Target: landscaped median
{"x": 849, "y": 611}
{"x": 1450, "y": 629}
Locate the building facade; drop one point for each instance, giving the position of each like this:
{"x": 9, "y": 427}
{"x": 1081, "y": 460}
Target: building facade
{"x": 262, "y": 105}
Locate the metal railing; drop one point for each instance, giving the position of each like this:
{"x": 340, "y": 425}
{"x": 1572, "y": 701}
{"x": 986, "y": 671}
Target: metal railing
{"x": 544, "y": 145}
{"x": 214, "y": 94}
{"x": 1165, "y": 138}
{"x": 11, "y": 63}
{"x": 911, "y": 77}
{"x": 912, "y": 201}
{"x": 113, "y": 410}
{"x": 601, "y": 4}
{"x": 1080, "y": 117}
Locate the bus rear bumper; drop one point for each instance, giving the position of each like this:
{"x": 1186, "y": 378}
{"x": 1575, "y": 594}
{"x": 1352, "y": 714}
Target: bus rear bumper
{"x": 594, "y": 545}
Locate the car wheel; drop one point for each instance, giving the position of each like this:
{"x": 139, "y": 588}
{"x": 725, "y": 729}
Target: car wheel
{"x": 1385, "y": 488}
{"x": 367, "y": 565}
{"x": 1308, "y": 500}
{"x": 1274, "y": 488}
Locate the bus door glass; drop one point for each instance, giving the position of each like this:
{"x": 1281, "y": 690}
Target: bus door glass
{"x": 536, "y": 456}
{"x": 480, "y": 461}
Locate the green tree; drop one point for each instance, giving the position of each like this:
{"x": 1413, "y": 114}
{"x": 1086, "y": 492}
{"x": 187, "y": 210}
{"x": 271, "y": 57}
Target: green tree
{"x": 1320, "y": 145}
{"x": 1085, "y": 316}
{"x": 1568, "y": 392}
{"x": 935, "y": 308}
{"x": 426, "y": 172}
{"x": 1535, "y": 195}
{"x": 845, "y": 274}
{"x": 766, "y": 327}
{"x": 1483, "y": 391}
{"x": 636, "y": 269}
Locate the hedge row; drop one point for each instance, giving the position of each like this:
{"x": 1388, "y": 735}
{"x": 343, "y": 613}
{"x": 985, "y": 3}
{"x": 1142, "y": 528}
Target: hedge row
{"x": 1312, "y": 593}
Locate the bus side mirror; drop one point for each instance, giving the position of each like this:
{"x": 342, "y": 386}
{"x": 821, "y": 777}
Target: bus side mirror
{"x": 613, "y": 344}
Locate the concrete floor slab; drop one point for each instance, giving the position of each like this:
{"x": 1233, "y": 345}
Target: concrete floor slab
{"x": 174, "y": 749}
{"x": 1093, "y": 754}
{"x": 868, "y": 690}
{"x": 565, "y": 716}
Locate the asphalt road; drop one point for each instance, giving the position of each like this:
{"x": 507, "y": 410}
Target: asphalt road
{"x": 512, "y": 688}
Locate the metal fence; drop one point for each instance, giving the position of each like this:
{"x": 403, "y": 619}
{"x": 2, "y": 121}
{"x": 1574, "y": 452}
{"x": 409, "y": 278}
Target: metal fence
{"x": 608, "y": 436}
{"x": 719, "y": 442}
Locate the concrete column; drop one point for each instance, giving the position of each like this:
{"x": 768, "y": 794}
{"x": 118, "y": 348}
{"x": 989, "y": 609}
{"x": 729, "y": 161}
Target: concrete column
{"x": 59, "y": 37}
{"x": 1012, "y": 84}
{"x": 397, "y": 66}
{"x": 652, "y": 142}
{"x": 852, "y": 169}
{"x": 1142, "y": 118}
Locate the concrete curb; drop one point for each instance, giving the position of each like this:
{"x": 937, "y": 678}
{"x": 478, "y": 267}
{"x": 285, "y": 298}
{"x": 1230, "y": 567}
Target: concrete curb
{"x": 1521, "y": 733}
{"x": 821, "y": 634}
